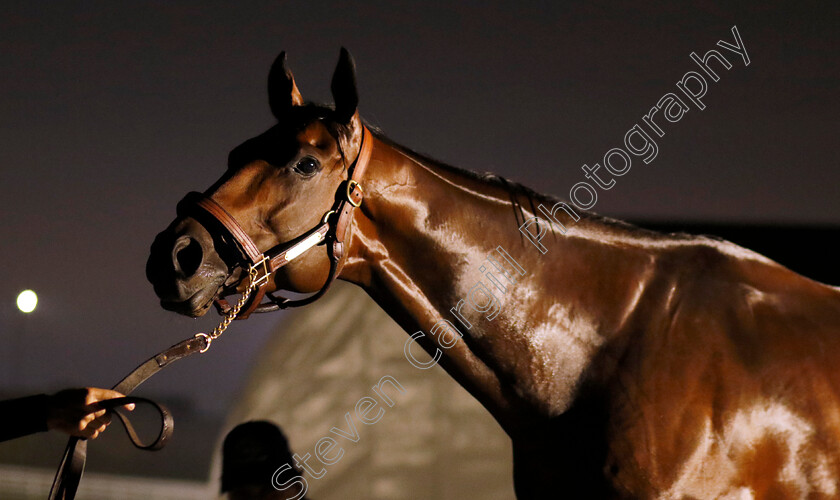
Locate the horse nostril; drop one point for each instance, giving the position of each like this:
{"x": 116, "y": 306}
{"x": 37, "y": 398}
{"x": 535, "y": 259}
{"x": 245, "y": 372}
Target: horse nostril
{"x": 187, "y": 255}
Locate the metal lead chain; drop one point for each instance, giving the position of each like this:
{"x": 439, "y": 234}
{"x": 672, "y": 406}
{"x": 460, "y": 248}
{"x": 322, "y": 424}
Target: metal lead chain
{"x": 228, "y": 318}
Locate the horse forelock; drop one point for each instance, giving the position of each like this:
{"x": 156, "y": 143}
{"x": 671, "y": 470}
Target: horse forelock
{"x": 279, "y": 140}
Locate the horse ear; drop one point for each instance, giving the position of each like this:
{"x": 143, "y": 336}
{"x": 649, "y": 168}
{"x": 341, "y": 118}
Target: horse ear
{"x": 343, "y": 88}
{"x": 282, "y": 91}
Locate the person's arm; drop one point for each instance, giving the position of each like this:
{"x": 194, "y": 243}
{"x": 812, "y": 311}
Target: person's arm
{"x": 23, "y": 416}
{"x": 68, "y": 411}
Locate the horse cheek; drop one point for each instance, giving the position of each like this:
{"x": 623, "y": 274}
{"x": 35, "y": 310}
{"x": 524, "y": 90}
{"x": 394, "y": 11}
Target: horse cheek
{"x": 306, "y": 274}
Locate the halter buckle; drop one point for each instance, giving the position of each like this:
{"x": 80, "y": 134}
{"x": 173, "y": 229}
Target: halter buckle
{"x": 254, "y": 271}
{"x": 351, "y": 185}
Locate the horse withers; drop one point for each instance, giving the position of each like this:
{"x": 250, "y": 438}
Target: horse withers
{"x": 624, "y": 364}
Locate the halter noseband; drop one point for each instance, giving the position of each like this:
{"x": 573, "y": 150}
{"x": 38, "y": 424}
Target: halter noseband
{"x": 261, "y": 265}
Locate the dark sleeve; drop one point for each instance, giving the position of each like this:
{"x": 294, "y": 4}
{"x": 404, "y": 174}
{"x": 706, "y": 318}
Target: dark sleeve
{"x": 23, "y": 416}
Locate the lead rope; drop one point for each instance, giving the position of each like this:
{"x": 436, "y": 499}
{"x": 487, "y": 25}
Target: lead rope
{"x": 72, "y": 464}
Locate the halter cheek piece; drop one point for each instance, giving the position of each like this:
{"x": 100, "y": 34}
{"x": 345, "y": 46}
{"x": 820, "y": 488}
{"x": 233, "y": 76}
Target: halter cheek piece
{"x": 261, "y": 265}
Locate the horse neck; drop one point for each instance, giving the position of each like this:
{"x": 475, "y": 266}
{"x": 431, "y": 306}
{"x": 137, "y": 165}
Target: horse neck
{"x": 431, "y": 238}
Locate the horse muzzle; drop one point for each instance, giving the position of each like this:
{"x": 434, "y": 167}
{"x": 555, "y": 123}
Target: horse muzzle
{"x": 185, "y": 269}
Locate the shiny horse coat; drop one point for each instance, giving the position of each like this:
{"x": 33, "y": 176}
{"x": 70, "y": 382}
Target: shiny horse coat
{"x": 622, "y": 363}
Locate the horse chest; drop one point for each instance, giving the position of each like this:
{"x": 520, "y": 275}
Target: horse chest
{"x": 543, "y": 356}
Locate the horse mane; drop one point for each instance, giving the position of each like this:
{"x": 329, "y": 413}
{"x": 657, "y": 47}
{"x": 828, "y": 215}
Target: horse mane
{"x": 519, "y": 193}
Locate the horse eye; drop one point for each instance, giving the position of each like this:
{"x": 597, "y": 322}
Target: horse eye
{"x": 307, "y": 166}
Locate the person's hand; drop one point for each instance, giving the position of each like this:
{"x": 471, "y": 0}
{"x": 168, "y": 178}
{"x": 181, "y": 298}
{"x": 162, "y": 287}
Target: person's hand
{"x": 73, "y": 411}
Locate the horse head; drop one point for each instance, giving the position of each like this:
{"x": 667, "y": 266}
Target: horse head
{"x": 278, "y": 186}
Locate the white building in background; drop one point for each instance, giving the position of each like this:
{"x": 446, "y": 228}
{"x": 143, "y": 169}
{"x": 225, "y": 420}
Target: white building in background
{"x": 436, "y": 442}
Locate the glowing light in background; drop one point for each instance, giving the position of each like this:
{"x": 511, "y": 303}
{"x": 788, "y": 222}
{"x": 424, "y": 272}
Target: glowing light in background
{"x": 27, "y": 300}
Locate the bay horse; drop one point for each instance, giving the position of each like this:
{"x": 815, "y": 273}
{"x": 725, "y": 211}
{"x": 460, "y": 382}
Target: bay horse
{"x": 622, "y": 363}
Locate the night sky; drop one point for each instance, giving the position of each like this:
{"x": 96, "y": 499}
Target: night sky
{"x": 110, "y": 112}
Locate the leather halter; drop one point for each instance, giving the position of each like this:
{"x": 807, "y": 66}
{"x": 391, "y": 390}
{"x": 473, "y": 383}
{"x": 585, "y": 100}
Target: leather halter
{"x": 73, "y": 463}
{"x": 332, "y": 230}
